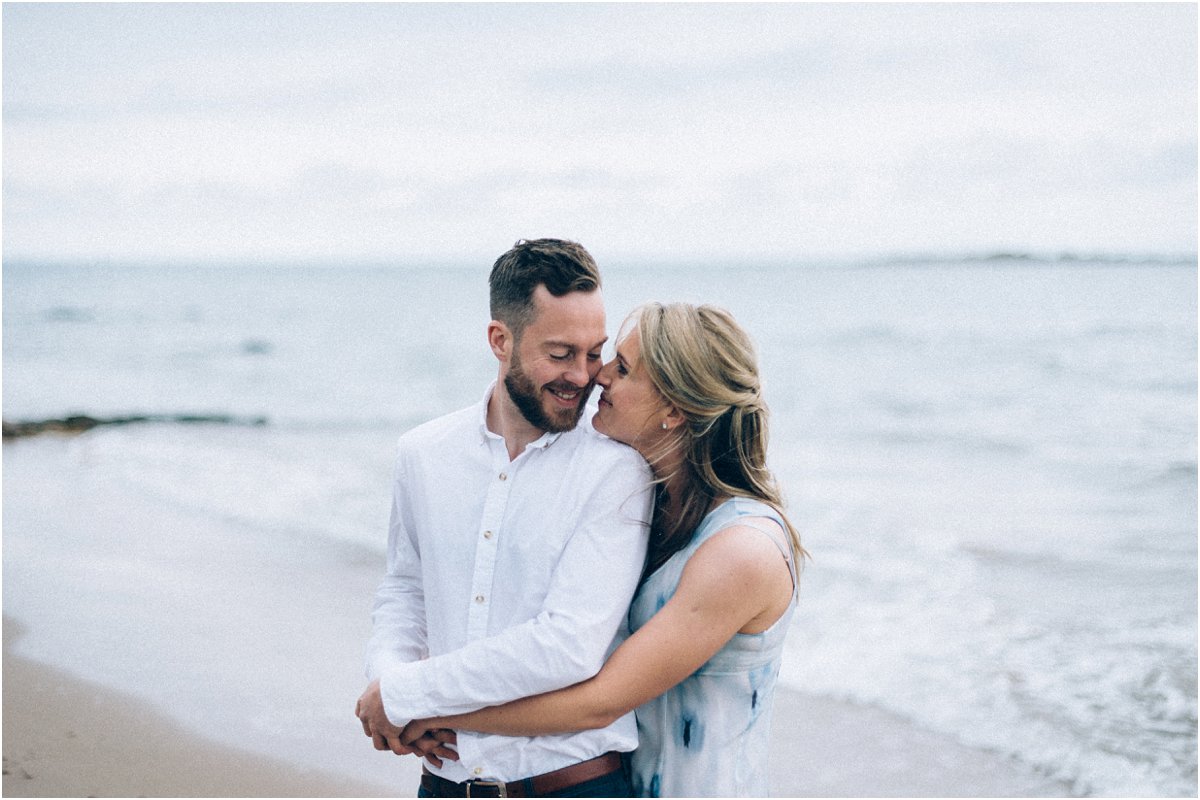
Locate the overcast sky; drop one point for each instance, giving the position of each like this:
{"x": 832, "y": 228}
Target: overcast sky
{"x": 398, "y": 132}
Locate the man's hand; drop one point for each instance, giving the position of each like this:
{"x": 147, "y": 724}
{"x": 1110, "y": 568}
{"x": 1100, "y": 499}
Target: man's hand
{"x": 376, "y": 725}
{"x": 428, "y": 743}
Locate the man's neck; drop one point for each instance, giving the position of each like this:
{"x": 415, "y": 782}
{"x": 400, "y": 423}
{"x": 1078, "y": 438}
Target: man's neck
{"x": 506, "y": 421}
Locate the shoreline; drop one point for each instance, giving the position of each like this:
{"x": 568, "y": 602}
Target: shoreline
{"x": 823, "y": 747}
{"x": 150, "y": 649}
{"x": 68, "y": 737}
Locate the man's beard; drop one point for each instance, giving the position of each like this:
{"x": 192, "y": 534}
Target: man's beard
{"x": 528, "y": 400}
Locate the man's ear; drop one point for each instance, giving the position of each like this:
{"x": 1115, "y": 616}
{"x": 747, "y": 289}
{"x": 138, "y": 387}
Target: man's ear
{"x": 501, "y": 340}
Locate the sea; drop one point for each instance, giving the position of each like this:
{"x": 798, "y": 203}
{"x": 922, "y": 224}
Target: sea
{"x": 992, "y": 460}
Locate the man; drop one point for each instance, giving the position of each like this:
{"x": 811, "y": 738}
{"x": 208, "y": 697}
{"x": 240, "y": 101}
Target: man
{"x": 516, "y": 540}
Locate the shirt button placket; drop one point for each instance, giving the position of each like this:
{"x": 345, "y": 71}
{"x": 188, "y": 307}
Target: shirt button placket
{"x": 478, "y": 617}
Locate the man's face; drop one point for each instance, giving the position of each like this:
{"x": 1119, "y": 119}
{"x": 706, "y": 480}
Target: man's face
{"x": 554, "y": 363}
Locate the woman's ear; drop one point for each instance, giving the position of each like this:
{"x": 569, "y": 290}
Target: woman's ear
{"x": 500, "y": 339}
{"x": 674, "y": 419}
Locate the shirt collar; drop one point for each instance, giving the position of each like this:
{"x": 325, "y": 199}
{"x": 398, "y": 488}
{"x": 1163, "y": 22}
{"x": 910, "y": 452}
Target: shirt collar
{"x": 542, "y": 442}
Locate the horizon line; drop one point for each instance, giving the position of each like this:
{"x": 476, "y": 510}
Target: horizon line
{"x": 895, "y": 258}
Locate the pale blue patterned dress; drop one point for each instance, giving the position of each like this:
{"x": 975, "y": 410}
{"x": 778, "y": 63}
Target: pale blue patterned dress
{"x": 708, "y": 736}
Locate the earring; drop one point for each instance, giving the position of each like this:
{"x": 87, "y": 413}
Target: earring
{"x": 664, "y": 425}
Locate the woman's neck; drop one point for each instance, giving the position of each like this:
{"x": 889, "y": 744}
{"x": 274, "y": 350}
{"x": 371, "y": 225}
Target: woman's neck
{"x": 676, "y": 479}
{"x": 668, "y": 468}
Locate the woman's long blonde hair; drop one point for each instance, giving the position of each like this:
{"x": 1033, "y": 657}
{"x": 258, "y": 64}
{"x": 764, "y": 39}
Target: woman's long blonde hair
{"x": 703, "y": 363}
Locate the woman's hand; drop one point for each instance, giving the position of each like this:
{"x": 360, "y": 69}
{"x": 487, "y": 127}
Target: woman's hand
{"x": 423, "y": 737}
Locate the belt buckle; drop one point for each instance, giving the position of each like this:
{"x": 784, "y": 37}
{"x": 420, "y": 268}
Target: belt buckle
{"x": 497, "y": 785}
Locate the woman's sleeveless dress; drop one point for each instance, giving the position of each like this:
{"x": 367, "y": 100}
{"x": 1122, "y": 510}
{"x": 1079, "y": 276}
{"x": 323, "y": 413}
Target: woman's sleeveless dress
{"x": 708, "y": 736}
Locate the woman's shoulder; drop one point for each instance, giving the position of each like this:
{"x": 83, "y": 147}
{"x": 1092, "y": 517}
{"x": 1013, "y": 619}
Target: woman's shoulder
{"x": 741, "y": 531}
{"x": 740, "y": 566}
{"x": 744, "y": 532}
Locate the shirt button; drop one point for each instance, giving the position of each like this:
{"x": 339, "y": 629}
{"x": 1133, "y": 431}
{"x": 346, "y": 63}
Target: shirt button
{"x": 487, "y": 534}
{"x": 478, "y": 770}
{"x": 478, "y": 598}
{"x": 503, "y": 476}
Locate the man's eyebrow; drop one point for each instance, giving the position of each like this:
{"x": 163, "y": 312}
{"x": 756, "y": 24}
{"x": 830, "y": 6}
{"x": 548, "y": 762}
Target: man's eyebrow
{"x": 571, "y": 345}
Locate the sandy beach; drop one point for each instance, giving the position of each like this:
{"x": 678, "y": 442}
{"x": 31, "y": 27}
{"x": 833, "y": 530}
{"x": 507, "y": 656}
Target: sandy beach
{"x": 64, "y": 737}
{"x": 151, "y": 651}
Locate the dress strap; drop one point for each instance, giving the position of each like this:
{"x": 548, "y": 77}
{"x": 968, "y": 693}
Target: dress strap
{"x": 771, "y": 533}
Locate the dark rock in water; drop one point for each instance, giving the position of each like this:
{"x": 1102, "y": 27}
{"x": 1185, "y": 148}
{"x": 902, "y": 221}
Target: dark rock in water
{"x": 69, "y": 314}
{"x": 81, "y": 423}
{"x": 73, "y": 424}
{"x": 256, "y": 347}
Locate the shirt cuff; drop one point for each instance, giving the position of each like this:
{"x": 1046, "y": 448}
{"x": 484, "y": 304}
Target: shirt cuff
{"x": 400, "y": 688}
{"x": 381, "y": 662}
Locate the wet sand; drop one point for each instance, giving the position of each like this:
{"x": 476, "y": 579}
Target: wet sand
{"x": 64, "y": 737}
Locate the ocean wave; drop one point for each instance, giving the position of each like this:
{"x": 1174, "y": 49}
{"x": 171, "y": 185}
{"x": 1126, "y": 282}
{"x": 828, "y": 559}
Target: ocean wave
{"x": 1172, "y": 474}
{"x": 1108, "y": 708}
{"x": 989, "y": 443}
{"x": 874, "y": 334}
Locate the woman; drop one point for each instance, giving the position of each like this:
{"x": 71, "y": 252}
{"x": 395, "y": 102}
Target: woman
{"x": 719, "y": 586}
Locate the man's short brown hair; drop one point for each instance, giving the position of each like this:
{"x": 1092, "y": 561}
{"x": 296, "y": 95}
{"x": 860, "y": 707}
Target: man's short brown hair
{"x": 561, "y": 266}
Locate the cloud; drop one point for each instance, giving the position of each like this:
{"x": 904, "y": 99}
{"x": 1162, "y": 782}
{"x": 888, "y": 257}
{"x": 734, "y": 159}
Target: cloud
{"x": 373, "y": 130}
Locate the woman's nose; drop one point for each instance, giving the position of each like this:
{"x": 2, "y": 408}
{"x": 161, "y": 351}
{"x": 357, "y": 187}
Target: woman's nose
{"x": 604, "y": 377}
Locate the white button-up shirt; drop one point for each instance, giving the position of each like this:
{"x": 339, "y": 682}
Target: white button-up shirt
{"x": 507, "y": 579}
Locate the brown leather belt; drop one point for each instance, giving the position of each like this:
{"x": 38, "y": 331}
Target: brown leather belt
{"x": 536, "y": 786}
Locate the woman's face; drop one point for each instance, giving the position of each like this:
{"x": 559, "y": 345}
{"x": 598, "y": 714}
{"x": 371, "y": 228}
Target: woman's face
{"x": 631, "y": 409}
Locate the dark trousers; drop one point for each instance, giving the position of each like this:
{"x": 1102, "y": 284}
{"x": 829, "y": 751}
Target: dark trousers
{"x": 615, "y": 784}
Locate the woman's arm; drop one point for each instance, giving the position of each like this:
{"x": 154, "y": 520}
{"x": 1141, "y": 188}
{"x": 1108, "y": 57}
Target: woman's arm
{"x": 733, "y": 579}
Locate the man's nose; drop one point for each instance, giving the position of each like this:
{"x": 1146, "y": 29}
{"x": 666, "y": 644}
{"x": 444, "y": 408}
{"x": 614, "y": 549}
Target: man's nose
{"x": 578, "y": 373}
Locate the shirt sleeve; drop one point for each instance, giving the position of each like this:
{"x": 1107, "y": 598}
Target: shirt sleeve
{"x": 568, "y": 641}
{"x": 398, "y": 616}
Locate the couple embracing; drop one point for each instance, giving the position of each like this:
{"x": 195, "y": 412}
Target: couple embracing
{"x": 548, "y": 575}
